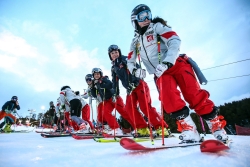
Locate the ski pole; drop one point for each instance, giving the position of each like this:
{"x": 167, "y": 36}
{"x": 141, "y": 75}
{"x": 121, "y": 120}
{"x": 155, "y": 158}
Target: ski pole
{"x": 115, "y": 109}
{"x": 159, "y": 58}
{"x": 202, "y": 125}
{"x": 149, "y": 122}
{"x": 133, "y": 111}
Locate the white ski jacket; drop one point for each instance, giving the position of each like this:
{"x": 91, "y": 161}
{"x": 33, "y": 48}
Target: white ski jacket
{"x": 66, "y": 96}
{"x": 148, "y": 48}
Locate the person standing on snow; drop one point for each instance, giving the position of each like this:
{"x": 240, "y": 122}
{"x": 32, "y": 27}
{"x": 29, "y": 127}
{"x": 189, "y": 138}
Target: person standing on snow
{"x": 7, "y": 109}
{"x": 85, "y": 111}
{"x": 68, "y": 97}
{"x": 160, "y": 57}
{"x": 135, "y": 94}
{"x": 102, "y": 90}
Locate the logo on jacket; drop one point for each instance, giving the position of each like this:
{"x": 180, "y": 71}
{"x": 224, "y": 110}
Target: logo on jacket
{"x": 150, "y": 38}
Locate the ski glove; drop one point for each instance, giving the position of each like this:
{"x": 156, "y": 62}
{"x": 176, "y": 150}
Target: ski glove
{"x": 140, "y": 73}
{"x": 96, "y": 81}
{"x": 161, "y": 68}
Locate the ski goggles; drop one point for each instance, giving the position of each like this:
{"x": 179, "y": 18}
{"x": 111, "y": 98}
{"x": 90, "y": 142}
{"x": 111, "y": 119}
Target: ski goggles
{"x": 88, "y": 79}
{"x": 112, "y": 48}
{"x": 142, "y": 16}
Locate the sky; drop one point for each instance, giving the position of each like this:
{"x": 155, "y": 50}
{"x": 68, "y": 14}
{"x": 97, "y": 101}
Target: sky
{"x": 30, "y": 149}
{"x": 45, "y": 45}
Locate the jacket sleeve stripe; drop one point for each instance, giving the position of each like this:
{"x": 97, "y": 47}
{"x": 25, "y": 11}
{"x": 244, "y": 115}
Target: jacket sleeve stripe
{"x": 62, "y": 93}
{"x": 130, "y": 54}
{"x": 169, "y": 34}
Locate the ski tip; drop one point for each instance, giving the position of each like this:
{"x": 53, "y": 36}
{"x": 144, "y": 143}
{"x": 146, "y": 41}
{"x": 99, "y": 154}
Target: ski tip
{"x": 213, "y": 146}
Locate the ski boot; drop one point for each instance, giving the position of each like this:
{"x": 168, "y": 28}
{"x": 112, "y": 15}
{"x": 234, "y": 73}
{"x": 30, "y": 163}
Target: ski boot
{"x": 189, "y": 133}
{"x": 216, "y": 126}
{"x": 142, "y": 132}
{"x": 159, "y": 132}
{"x": 7, "y": 128}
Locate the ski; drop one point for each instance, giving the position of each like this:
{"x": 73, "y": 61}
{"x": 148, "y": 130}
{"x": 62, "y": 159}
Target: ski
{"x": 82, "y": 137}
{"x": 107, "y": 138}
{"x": 21, "y": 131}
{"x": 215, "y": 145}
{"x": 55, "y": 134}
{"x": 111, "y": 138}
{"x": 132, "y": 145}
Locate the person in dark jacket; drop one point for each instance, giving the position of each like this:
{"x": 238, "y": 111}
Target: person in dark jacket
{"x": 137, "y": 93}
{"x": 8, "y": 108}
{"x": 103, "y": 92}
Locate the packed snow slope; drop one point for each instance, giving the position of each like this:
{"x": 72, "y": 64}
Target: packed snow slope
{"x": 30, "y": 149}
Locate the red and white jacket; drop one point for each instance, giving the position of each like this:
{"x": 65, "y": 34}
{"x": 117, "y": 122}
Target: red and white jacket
{"x": 148, "y": 48}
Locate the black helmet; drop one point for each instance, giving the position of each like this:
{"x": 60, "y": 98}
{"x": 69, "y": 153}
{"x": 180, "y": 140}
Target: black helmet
{"x": 14, "y": 98}
{"x": 112, "y": 48}
{"x": 64, "y": 87}
{"x": 94, "y": 70}
{"x": 88, "y": 76}
{"x": 77, "y": 92}
{"x": 51, "y": 103}
{"x": 136, "y": 11}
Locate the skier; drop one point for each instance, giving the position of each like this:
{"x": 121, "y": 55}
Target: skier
{"x": 89, "y": 81}
{"x": 87, "y": 94}
{"x": 137, "y": 92}
{"x": 52, "y": 117}
{"x": 160, "y": 57}
{"x": 7, "y": 109}
{"x": 85, "y": 111}
{"x": 68, "y": 97}
{"x": 103, "y": 92}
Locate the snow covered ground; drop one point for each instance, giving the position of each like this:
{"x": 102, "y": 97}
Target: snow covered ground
{"x": 30, "y": 149}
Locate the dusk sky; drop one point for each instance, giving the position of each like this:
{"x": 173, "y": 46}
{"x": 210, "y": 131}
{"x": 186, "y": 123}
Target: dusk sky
{"x": 45, "y": 45}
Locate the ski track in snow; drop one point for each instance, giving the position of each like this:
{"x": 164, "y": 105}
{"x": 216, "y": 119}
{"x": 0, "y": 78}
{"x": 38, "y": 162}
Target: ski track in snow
{"x": 30, "y": 149}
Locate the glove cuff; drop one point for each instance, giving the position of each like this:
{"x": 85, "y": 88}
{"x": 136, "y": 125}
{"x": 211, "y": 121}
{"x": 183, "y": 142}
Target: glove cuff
{"x": 168, "y": 64}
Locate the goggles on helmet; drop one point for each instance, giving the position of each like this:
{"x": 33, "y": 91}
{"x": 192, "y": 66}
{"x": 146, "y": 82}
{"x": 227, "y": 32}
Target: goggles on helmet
{"x": 143, "y": 15}
{"x": 112, "y": 48}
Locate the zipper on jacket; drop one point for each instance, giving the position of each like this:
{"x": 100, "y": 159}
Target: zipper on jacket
{"x": 146, "y": 52}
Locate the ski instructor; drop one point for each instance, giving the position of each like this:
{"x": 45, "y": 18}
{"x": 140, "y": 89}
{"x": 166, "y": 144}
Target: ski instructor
{"x": 158, "y": 47}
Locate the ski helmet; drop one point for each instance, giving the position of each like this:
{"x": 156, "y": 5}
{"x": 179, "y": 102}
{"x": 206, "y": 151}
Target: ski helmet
{"x": 94, "y": 70}
{"x": 65, "y": 87}
{"x": 136, "y": 11}
{"x": 88, "y": 77}
{"x": 77, "y": 92}
{"x": 112, "y": 48}
{"x": 14, "y": 98}
{"x": 51, "y": 103}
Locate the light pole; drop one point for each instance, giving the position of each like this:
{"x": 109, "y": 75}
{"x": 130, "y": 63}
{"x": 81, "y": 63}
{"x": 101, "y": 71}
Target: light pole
{"x": 31, "y": 111}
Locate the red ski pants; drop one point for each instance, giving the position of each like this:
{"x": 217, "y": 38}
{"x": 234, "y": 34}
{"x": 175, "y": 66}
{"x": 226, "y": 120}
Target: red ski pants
{"x": 71, "y": 122}
{"x": 86, "y": 115}
{"x": 107, "y": 107}
{"x": 4, "y": 114}
{"x": 141, "y": 97}
{"x": 182, "y": 75}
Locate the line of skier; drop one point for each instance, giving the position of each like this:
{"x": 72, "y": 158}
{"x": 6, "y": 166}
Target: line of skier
{"x": 157, "y": 46}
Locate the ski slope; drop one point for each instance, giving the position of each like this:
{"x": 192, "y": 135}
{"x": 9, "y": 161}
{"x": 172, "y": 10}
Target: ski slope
{"x": 30, "y": 149}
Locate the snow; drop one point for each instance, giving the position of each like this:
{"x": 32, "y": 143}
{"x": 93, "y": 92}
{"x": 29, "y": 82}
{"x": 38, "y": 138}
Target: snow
{"x": 30, "y": 149}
